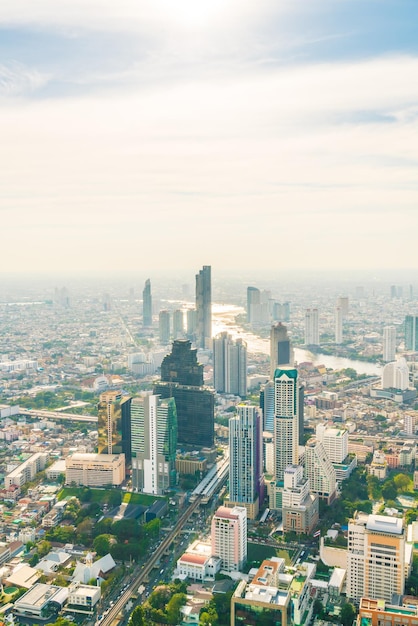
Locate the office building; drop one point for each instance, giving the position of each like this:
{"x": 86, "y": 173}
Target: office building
{"x": 335, "y": 442}
{"x": 286, "y": 420}
{"x": 164, "y": 327}
{"x": 253, "y": 302}
{"x": 109, "y": 423}
{"x": 320, "y": 471}
{"x": 204, "y": 307}
{"x": 178, "y": 324}
{"x": 375, "y": 557}
{"x": 300, "y": 508}
{"x": 191, "y": 324}
{"x": 311, "y": 327}
{"x": 230, "y": 365}
{"x": 389, "y": 343}
{"x": 267, "y": 406}
{"x": 396, "y": 375}
{"x": 281, "y": 351}
{"x": 229, "y": 537}
{"x": 411, "y": 333}
{"x": 338, "y": 325}
{"x": 154, "y": 443}
{"x": 95, "y": 470}
{"x": 182, "y": 379}
{"x": 147, "y": 304}
{"x": 246, "y": 486}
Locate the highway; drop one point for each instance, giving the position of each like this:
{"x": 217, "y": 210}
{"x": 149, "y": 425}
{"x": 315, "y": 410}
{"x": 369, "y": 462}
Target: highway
{"x": 57, "y": 415}
{"x": 146, "y": 569}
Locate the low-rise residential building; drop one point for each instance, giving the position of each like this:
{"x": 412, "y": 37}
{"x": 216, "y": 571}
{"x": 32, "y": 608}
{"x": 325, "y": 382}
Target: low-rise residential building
{"x": 375, "y": 612}
{"x": 26, "y": 471}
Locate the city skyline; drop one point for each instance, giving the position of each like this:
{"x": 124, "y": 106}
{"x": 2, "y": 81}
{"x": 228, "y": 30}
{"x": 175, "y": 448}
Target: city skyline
{"x": 124, "y": 126}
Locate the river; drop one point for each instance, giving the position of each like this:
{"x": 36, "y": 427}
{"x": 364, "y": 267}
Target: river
{"x": 223, "y": 319}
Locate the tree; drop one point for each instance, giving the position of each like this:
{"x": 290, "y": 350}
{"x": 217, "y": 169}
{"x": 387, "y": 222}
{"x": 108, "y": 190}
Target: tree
{"x": 137, "y": 617}
{"x": 101, "y": 544}
{"x": 43, "y": 548}
{"x": 348, "y": 613}
{"x": 389, "y": 491}
{"x": 115, "y": 498}
{"x": 402, "y": 482}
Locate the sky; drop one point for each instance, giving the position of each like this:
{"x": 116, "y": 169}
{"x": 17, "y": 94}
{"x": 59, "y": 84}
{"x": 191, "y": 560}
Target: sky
{"x": 145, "y": 135}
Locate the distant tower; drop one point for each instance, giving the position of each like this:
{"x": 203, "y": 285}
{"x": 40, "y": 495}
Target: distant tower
{"x": 147, "y": 304}
{"x": 389, "y": 343}
{"x": 229, "y": 537}
{"x": 191, "y": 325}
{"x": 338, "y": 325}
{"x": 164, "y": 327}
{"x": 411, "y": 332}
{"x": 343, "y": 303}
{"x": 154, "y": 444}
{"x": 178, "y": 324}
{"x": 204, "y": 307}
{"x": 311, "y": 327}
{"x": 230, "y": 365}
{"x": 253, "y": 300}
{"x": 396, "y": 375}
{"x": 286, "y": 420}
{"x": 245, "y": 459}
{"x": 267, "y": 406}
{"x": 281, "y": 351}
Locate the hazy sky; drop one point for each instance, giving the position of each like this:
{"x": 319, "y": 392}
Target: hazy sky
{"x": 141, "y": 134}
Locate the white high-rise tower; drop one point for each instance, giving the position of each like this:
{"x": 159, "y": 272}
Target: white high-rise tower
{"x": 311, "y": 327}
{"x": 286, "y": 420}
{"x": 389, "y": 343}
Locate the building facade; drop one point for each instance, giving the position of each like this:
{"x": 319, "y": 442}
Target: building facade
{"x": 311, "y": 327}
{"x": 281, "y": 351}
{"x": 95, "y": 470}
{"x": 411, "y": 332}
{"x": 389, "y": 343}
{"x": 320, "y": 471}
{"x": 230, "y": 365}
{"x": 286, "y": 420}
{"x": 154, "y": 443}
{"x": 229, "y": 537}
{"x": 246, "y": 486}
{"x": 204, "y": 307}
{"x": 147, "y": 304}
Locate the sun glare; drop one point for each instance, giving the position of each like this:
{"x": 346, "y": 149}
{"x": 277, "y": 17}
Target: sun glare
{"x": 194, "y": 13}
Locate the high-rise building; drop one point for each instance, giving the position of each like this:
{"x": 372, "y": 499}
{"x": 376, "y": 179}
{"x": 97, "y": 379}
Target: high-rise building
{"x": 343, "y": 303}
{"x": 286, "y": 420}
{"x": 396, "y": 375}
{"x": 267, "y": 406}
{"x": 230, "y": 365}
{"x": 311, "y": 327}
{"x": 178, "y": 324}
{"x": 375, "y": 557}
{"x": 335, "y": 442}
{"x": 109, "y": 423}
{"x": 389, "y": 343}
{"x": 411, "y": 332}
{"x": 338, "y": 325}
{"x": 204, "y": 307}
{"x": 246, "y": 487}
{"x": 320, "y": 471}
{"x": 154, "y": 443}
{"x": 182, "y": 379}
{"x": 300, "y": 508}
{"x": 281, "y": 351}
{"x": 191, "y": 324}
{"x": 147, "y": 304}
{"x": 164, "y": 326}
{"x": 253, "y": 301}
{"x": 229, "y": 537}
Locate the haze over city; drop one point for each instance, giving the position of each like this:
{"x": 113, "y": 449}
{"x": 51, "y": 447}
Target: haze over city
{"x": 169, "y": 135}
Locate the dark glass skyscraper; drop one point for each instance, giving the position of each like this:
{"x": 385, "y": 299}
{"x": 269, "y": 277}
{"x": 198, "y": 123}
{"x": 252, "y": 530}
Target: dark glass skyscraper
{"x": 182, "y": 379}
{"x": 204, "y": 307}
{"x": 147, "y": 304}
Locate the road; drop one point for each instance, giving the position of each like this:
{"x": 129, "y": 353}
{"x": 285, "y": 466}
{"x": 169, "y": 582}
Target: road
{"x": 57, "y": 415}
{"x": 146, "y": 569}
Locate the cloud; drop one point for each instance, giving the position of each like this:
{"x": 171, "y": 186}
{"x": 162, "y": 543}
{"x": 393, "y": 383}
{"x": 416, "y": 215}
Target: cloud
{"x": 18, "y": 80}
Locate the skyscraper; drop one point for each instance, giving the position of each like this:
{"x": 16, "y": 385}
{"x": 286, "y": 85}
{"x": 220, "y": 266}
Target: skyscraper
{"x": 230, "y": 365}
{"x": 147, "y": 304}
{"x": 281, "y": 351}
{"x": 154, "y": 443}
{"x": 338, "y": 325}
{"x": 311, "y": 327}
{"x": 109, "y": 423}
{"x": 320, "y": 471}
{"x": 375, "y": 557}
{"x": 178, "y": 324}
{"x": 191, "y": 324}
{"x": 182, "y": 379}
{"x": 286, "y": 420}
{"x": 411, "y": 332}
{"x": 204, "y": 307}
{"x": 164, "y": 326}
{"x": 253, "y": 301}
{"x": 229, "y": 537}
{"x": 246, "y": 487}
{"x": 389, "y": 343}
